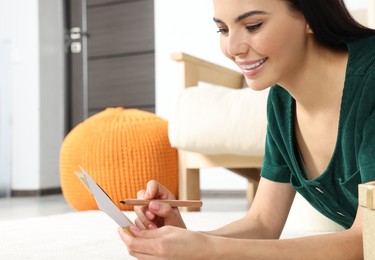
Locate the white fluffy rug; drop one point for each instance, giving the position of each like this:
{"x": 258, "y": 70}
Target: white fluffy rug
{"x": 81, "y": 235}
{"x": 86, "y": 235}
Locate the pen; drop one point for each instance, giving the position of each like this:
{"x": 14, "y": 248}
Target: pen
{"x": 173, "y": 203}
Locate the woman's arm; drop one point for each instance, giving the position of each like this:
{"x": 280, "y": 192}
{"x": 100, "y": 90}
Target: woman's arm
{"x": 264, "y": 224}
{"x": 341, "y": 245}
{"x": 267, "y": 215}
{"x": 265, "y": 219}
{"x": 175, "y": 243}
{"x": 253, "y": 237}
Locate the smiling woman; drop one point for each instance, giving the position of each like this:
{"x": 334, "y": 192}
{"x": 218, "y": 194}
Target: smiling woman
{"x": 320, "y": 67}
{"x": 263, "y": 32}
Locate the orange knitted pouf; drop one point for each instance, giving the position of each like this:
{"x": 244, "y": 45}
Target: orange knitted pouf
{"x": 121, "y": 149}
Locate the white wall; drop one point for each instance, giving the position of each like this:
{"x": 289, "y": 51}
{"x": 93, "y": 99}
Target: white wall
{"x": 186, "y": 25}
{"x": 34, "y": 30}
{"x": 356, "y": 4}
{"x": 25, "y": 89}
{"x": 182, "y": 25}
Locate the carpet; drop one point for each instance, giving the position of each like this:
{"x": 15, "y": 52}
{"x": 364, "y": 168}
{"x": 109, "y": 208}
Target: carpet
{"x": 81, "y": 235}
{"x": 87, "y": 235}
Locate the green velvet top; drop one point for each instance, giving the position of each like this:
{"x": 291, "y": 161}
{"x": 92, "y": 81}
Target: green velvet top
{"x": 335, "y": 192}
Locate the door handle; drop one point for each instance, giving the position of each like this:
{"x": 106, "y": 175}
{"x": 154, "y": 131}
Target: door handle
{"x": 75, "y": 35}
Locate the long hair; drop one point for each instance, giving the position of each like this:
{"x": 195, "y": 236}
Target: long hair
{"x": 330, "y": 21}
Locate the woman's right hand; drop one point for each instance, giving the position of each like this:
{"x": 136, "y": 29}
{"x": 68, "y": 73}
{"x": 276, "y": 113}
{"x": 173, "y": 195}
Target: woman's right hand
{"x": 157, "y": 214}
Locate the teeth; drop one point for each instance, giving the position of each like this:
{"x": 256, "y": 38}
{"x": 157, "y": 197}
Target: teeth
{"x": 255, "y": 65}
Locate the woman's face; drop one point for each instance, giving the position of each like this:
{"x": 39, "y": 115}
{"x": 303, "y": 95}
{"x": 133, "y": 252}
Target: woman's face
{"x": 265, "y": 38}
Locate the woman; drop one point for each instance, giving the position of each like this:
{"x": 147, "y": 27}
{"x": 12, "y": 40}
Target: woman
{"x": 320, "y": 137}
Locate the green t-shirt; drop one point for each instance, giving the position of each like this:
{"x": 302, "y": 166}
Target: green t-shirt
{"x": 335, "y": 192}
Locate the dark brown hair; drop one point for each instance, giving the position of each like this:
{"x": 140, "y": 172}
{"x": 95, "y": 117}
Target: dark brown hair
{"x": 330, "y": 21}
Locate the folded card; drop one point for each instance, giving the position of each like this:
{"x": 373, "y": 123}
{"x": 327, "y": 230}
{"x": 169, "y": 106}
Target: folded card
{"x": 104, "y": 202}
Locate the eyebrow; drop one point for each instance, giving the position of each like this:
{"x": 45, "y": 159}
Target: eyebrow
{"x": 242, "y": 16}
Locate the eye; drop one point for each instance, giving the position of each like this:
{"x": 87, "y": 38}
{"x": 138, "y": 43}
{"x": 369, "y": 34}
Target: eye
{"x": 222, "y": 31}
{"x": 254, "y": 28}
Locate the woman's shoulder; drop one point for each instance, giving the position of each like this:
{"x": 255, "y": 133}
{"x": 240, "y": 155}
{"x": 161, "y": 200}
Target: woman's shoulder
{"x": 278, "y": 94}
{"x": 279, "y": 102}
{"x": 362, "y": 55}
{"x": 361, "y": 43}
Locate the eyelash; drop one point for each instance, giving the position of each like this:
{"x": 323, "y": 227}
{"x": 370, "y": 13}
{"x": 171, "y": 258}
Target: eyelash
{"x": 253, "y": 28}
{"x": 222, "y": 31}
{"x": 250, "y": 28}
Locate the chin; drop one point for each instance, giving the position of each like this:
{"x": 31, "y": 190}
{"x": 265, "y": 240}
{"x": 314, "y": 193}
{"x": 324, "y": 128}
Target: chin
{"x": 257, "y": 86}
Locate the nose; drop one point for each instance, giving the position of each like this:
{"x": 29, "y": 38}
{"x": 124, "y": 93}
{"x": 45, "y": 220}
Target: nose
{"x": 236, "y": 44}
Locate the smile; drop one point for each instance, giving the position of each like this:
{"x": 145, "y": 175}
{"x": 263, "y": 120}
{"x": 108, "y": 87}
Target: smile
{"x": 254, "y": 65}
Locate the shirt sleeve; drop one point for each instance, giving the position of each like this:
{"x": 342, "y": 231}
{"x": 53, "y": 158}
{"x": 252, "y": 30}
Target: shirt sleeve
{"x": 275, "y": 161}
{"x": 274, "y": 166}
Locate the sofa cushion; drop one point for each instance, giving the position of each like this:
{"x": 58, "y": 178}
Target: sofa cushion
{"x": 212, "y": 119}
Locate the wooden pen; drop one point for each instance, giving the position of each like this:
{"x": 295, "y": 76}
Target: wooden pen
{"x": 172, "y": 203}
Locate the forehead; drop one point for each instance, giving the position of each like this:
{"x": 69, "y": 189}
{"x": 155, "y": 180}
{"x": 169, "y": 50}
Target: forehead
{"x": 224, "y": 7}
{"x": 231, "y": 10}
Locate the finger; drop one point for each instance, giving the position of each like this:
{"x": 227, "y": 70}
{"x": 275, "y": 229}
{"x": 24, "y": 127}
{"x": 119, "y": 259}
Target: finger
{"x": 139, "y": 223}
{"x": 148, "y": 234}
{"x": 153, "y": 190}
{"x": 170, "y": 216}
{"x": 145, "y": 225}
{"x": 137, "y": 245}
{"x": 145, "y": 217}
{"x": 141, "y": 212}
{"x": 149, "y": 215}
{"x": 157, "y": 191}
{"x": 134, "y": 245}
{"x": 160, "y": 209}
{"x": 141, "y": 194}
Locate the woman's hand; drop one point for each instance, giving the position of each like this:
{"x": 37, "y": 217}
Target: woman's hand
{"x": 166, "y": 243}
{"x": 157, "y": 214}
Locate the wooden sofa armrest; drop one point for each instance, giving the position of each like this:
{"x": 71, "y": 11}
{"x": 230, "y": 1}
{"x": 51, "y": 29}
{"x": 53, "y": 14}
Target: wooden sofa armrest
{"x": 192, "y": 70}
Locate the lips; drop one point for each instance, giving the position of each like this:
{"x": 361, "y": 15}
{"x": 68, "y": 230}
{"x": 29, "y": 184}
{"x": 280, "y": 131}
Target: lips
{"x": 253, "y": 65}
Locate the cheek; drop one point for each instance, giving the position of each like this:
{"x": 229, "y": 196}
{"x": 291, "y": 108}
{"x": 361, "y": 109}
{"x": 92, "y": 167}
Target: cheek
{"x": 279, "y": 43}
{"x": 285, "y": 47}
{"x": 224, "y": 48}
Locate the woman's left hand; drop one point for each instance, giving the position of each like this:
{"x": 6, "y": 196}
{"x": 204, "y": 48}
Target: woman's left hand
{"x": 167, "y": 242}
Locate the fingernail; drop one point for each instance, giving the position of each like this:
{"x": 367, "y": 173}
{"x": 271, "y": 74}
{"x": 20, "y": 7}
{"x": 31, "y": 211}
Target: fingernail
{"x": 154, "y": 206}
{"x": 134, "y": 228}
{"x": 147, "y": 195}
{"x": 152, "y": 226}
{"x": 150, "y": 215}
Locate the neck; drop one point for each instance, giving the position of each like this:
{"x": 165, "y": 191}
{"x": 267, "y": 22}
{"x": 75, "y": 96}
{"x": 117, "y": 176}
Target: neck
{"x": 320, "y": 80}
